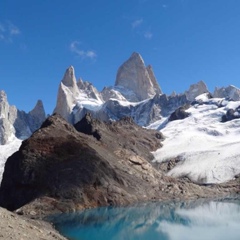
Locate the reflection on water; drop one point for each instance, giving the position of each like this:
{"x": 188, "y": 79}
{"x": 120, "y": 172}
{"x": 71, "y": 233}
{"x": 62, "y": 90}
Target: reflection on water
{"x": 218, "y": 220}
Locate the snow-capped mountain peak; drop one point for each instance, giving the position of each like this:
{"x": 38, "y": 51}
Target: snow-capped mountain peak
{"x": 133, "y": 75}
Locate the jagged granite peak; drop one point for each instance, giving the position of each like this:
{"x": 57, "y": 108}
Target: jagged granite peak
{"x": 89, "y": 89}
{"x": 196, "y": 90}
{"x": 68, "y": 92}
{"x": 69, "y": 78}
{"x": 134, "y": 76}
{"x": 37, "y": 116}
{"x": 38, "y": 110}
{"x": 230, "y": 92}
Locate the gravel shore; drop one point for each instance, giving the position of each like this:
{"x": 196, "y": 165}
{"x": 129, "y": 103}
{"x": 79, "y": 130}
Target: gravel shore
{"x": 16, "y": 227}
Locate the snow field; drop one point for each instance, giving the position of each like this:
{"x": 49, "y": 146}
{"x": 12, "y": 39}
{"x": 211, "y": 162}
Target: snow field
{"x": 209, "y": 150}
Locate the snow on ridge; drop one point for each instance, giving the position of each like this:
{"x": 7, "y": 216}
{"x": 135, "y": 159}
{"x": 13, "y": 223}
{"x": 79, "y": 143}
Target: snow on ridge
{"x": 6, "y": 151}
{"x": 208, "y": 150}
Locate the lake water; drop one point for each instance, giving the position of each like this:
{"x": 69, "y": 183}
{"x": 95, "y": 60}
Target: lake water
{"x": 198, "y": 220}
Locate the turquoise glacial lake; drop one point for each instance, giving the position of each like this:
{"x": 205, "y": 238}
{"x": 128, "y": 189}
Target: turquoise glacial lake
{"x": 196, "y": 220}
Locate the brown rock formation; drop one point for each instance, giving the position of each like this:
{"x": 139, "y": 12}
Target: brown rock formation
{"x": 59, "y": 169}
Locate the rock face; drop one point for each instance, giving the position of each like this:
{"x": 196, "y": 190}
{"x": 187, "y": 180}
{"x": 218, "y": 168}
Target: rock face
{"x": 67, "y": 94}
{"x": 196, "y": 90}
{"x": 229, "y": 92}
{"x": 37, "y": 116}
{"x": 135, "y": 81}
{"x": 6, "y": 119}
{"x": 59, "y": 169}
{"x": 16, "y": 122}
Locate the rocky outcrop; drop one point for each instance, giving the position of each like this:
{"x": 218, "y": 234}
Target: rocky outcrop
{"x": 230, "y": 92}
{"x": 59, "y": 169}
{"x": 136, "y": 82}
{"x": 179, "y": 113}
{"x": 61, "y": 163}
{"x": 196, "y": 90}
{"x": 231, "y": 114}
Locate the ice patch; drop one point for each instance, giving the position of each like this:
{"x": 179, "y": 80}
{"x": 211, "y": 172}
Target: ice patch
{"x": 6, "y": 151}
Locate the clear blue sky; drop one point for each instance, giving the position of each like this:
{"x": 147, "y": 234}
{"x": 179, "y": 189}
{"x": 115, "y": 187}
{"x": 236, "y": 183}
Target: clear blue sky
{"x": 184, "y": 40}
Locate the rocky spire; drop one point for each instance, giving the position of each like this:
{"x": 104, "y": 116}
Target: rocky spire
{"x": 36, "y": 116}
{"x": 195, "y": 90}
{"x": 67, "y": 93}
{"x": 133, "y": 75}
{"x": 69, "y": 80}
{"x": 6, "y": 129}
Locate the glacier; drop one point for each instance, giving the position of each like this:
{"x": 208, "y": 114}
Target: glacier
{"x": 206, "y": 148}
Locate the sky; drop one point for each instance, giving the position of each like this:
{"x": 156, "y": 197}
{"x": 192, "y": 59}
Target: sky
{"x": 185, "y": 41}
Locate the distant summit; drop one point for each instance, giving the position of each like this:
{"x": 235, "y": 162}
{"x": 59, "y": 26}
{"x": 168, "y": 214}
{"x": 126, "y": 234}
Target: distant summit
{"x": 14, "y": 122}
{"x": 196, "y": 90}
{"x": 133, "y": 75}
{"x": 230, "y": 92}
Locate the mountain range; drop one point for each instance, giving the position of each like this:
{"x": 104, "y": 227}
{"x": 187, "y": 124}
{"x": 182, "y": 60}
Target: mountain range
{"x": 198, "y": 133}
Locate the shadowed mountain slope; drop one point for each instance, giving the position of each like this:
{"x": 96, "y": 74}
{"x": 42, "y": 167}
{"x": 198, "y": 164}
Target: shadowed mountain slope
{"x": 59, "y": 169}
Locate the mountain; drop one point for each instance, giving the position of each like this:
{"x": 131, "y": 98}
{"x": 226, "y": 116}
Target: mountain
{"x": 196, "y": 90}
{"x": 16, "y": 122}
{"x": 61, "y": 168}
{"x": 159, "y": 111}
{"x": 94, "y": 151}
{"x": 136, "y": 94}
{"x": 135, "y": 78}
{"x": 16, "y": 125}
